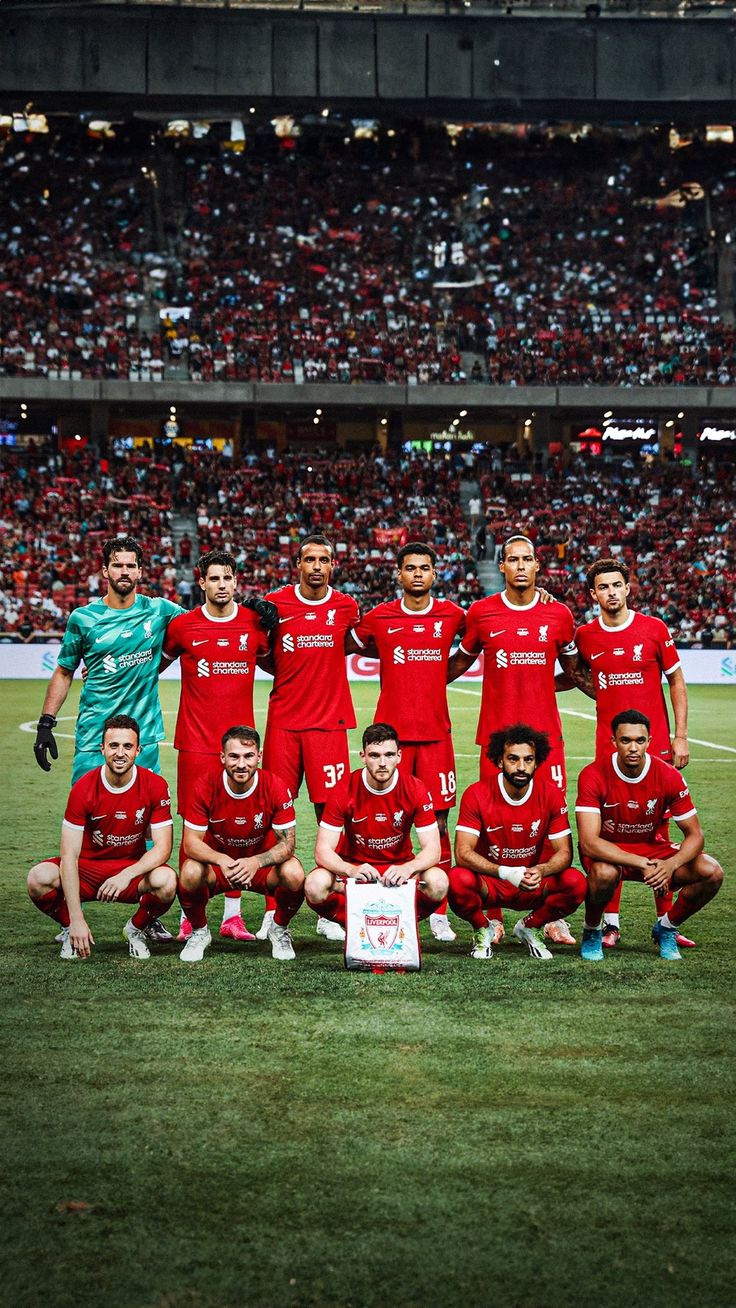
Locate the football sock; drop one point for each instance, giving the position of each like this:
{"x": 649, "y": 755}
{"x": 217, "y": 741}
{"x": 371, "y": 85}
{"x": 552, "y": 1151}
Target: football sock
{"x": 231, "y": 907}
{"x": 441, "y": 907}
{"x": 612, "y": 919}
{"x": 333, "y": 907}
{"x": 288, "y": 902}
{"x": 194, "y": 904}
{"x": 664, "y": 921}
{"x": 148, "y": 910}
{"x": 614, "y": 902}
{"x": 270, "y": 904}
{"x": 54, "y": 905}
{"x": 465, "y": 897}
{"x": 663, "y": 903}
{"x": 445, "y": 864}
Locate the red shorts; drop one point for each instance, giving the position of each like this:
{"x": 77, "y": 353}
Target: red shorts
{"x": 433, "y": 762}
{"x": 553, "y": 768}
{"x": 222, "y": 885}
{"x": 189, "y": 768}
{"x": 502, "y": 894}
{"x": 321, "y": 757}
{"x": 657, "y": 849}
{"x": 92, "y": 876}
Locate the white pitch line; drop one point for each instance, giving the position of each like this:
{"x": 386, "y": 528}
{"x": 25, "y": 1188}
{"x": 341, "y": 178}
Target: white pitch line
{"x": 590, "y": 717}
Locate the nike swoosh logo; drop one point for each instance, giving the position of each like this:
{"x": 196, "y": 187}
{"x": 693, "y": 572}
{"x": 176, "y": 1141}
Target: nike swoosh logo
{"x": 498, "y": 828}
{"x": 491, "y": 634}
{"x": 98, "y": 817}
{"x": 356, "y": 820}
{"x": 214, "y": 821}
{"x": 391, "y": 630}
{"x": 199, "y": 642}
{"x": 611, "y": 805}
{"x": 593, "y": 657}
{"x": 291, "y": 619}
{"x": 106, "y": 636}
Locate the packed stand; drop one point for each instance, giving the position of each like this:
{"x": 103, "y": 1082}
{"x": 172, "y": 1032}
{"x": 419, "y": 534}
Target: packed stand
{"x": 545, "y": 259}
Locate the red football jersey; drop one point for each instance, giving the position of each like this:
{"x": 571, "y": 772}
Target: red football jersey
{"x": 241, "y": 825}
{"x": 377, "y": 823}
{"x": 632, "y": 811}
{"x": 218, "y": 666}
{"x": 413, "y": 649}
{"x": 627, "y": 664}
{"x": 115, "y": 820}
{"x": 310, "y": 686}
{"x": 513, "y": 831}
{"x": 520, "y": 646}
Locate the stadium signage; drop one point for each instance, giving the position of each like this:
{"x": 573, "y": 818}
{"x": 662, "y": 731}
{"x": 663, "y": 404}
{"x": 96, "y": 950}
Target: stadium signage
{"x": 629, "y": 433}
{"x": 718, "y": 434}
{"x": 452, "y": 434}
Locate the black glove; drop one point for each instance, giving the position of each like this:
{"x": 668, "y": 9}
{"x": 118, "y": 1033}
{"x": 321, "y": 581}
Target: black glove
{"x": 267, "y": 612}
{"x": 45, "y": 743}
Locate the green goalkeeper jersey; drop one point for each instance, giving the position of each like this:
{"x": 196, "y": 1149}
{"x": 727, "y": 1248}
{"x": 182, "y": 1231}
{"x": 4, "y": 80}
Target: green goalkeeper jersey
{"x": 122, "y": 651}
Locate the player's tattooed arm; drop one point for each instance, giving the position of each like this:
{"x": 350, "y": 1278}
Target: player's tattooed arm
{"x": 278, "y": 853}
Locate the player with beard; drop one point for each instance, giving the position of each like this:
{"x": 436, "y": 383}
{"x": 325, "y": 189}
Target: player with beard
{"x": 622, "y": 657}
{"x": 513, "y": 846}
{"x": 621, "y": 805}
{"x": 310, "y": 707}
{"x": 521, "y": 637}
{"x": 219, "y": 645}
{"x": 412, "y": 637}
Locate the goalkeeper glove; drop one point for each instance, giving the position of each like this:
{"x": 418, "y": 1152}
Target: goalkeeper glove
{"x": 45, "y": 743}
{"x": 267, "y": 612}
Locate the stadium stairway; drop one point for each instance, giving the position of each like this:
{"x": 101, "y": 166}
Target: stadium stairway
{"x": 184, "y": 524}
{"x": 488, "y": 574}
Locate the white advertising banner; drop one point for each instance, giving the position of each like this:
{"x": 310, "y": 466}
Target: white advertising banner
{"x": 702, "y": 667}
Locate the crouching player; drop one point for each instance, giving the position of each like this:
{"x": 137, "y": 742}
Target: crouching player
{"x": 103, "y": 846}
{"x": 513, "y": 845}
{"x": 365, "y": 832}
{"x": 240, "y": 833}
{"x": 621, "y": 805}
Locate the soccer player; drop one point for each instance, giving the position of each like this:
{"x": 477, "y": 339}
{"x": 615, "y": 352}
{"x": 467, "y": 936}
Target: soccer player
{"x": 513, "y": 846}
{"x": 240, "y": 830}
{"x": 521, "y": 637}
{"x": 103, "y": 846}
{"x": 412, "y": 638}
{"x": 120, "y": 638}
{"x": 621, "y": 804}
{"x": 219, "y": 645}
{"x": 310, "y": 708}
{"x": 365, "y": 832}
{"x": 622, "y": 658}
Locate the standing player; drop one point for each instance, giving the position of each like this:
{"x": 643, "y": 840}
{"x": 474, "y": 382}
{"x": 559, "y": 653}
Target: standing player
{"x": 412, "y": 638}
{"x": 103, "y": 846}
{"x": 119, "y": 637}
{"x": 621, "y": 805}
{"x": 513, "y": 845}
{"x": 365, "y": 832}
{"x": 240, "y": 830}
{"x": 310, "y": 708}
{"x": 622, "y": 658}
{"x": 521, "y": 638}
{"x": 219, "y": 645}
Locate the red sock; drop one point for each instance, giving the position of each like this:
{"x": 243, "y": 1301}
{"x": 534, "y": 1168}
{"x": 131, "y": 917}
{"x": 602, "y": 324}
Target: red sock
{"x": 333, "y": 907}
{"x": 270, "y": 904}
{"x": 445, "y": 864}
{"x": 682, "y": 909}
{"x": 232, "y": 894}
{"x": 614, "y": 902}
{"x": 194, "y": 904}
{"x": 569, "y": 892}
{"x": 442, "y": 906}
{"x": 148, "y": 910}
{"x": 465, "y": 899}
{"x": 663, "y": 903}
{"x": 288, "y": 902}
{"x": 53, "y": 904}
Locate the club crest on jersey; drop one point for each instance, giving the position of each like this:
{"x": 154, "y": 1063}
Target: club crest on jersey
{"x": 331, "y": 617}
{"x": 258, "y": 822}
{"x": 638, "y": 653}
{"x": 543, "y": 633}
{"x": 140, "y": 813}
{"x": 534, "y": 829}
{"x": 437, "y": 630}
{"x": 148, "y": 628}
{"x": 398, "y": 817}
{"x": 651, "y": 805}
{"x": 243, "y": 641}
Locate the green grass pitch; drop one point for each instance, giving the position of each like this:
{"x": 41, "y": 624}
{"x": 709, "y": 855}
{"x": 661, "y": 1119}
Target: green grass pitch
{"x": 536, "y": 1135}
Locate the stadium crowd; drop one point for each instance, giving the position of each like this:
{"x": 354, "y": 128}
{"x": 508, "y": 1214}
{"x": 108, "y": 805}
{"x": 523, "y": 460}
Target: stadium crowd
{"x": 675, "y": 533}
{"x": 549, "y": 259}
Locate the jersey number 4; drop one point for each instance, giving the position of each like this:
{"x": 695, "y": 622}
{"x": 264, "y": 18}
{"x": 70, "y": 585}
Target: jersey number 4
{"x": 557, "y": 777}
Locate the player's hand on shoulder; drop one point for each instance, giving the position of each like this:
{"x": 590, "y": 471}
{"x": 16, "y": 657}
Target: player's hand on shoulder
{"x": 45, "y": 742}
{"x": 265, "y": 611}
{"x": 81, "y": 938}
{"x": 544, "y": 595}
